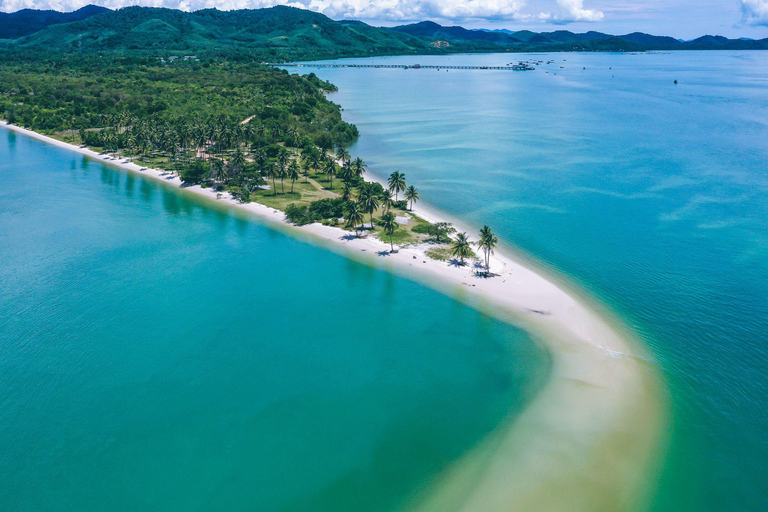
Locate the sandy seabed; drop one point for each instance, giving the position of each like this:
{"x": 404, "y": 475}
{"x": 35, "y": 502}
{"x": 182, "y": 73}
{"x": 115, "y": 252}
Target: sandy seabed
{"x": 593, "y": 439}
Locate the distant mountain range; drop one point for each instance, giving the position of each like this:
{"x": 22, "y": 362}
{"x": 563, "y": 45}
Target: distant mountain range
{"x": 29, "y": 21}
{"x": 289, "y": 33}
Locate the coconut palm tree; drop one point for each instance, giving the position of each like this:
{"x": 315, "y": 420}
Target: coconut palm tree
{"x": 293, "y": 172}
{"x": 346, "y": 191}
{"x": 238, "y": 161}
{"x": 330, "y": 169}
{"x": 218, "y": 170}
{"x": 411, "y": 195}
{"x": 358, "y": 166}
{"x": 369, "y": 201}
{"x": 389, "y": 224}
{"x": 386, "y": 199}
{"x": 342, "y": 155}
{"x": 487, "y": 243}
{"x": 396, "y": 182}
{"x": 354, "y": 216}
{"x": 461, "y": 247}
{"x": 273, "y": 173}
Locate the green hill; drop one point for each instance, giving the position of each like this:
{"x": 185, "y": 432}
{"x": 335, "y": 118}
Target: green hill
{"x": 286, "y": 33}
{"x": 279, "y": 31}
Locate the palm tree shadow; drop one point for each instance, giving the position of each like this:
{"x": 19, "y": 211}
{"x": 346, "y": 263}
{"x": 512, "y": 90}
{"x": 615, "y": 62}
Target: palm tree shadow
{"x": 349, "y": 237}
{"x": 453, "y": 262}
{"x": 384, "y": 253}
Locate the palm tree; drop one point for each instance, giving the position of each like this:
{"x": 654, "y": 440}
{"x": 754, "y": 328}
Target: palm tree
{"x": 218, "y": 170}
{"x": 343, "y": 155}
{"x": 346, "y": 191}
{"x": 487, "y": 243}
{"x": 396, "y": 182}
{"x": 461, "y": 247}
{"x": 389, "y": 224}
{"x": 293, "y": 173}
{"x": 354, "y": 216}
{"x": 238, "y": 161}
{"x": 369, "y": 201}
{"x": 386, "y": 199}
{"x": 273, "y": 173}
{"x": 359, "y": 167}
{"x": 330, "y": 169}
{"x": 411, "y": 195}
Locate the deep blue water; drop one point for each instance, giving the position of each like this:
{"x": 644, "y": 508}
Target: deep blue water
{"x": 652, "y": 196}
{"x": 157, "y": 353}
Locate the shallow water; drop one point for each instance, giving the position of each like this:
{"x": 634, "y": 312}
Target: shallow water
{"x": 157, "y": 353}
{"x": 652, "y": 196}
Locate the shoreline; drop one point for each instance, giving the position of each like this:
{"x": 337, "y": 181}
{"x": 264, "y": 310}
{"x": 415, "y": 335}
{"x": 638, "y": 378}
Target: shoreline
{"x": 589, "y": 440}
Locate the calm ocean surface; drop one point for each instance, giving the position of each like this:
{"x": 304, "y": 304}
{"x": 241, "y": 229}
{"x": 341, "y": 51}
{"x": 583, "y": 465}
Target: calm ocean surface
{"x": 160, "y": 354}
{"x": 652, "y": 196}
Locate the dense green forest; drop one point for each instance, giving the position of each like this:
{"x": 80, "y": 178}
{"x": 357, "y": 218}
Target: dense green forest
{"x": 286, "y": 34}
{"x": 73, "y": 93}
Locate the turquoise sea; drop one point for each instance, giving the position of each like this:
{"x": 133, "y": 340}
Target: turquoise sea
{"x": 159, "y": 353}
{"x": 651, "y": 195}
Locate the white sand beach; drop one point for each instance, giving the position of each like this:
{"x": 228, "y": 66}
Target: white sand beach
{"x": 591, "y": 440}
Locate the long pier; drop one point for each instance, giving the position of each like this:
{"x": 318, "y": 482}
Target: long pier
{"x": 514, "y": 67}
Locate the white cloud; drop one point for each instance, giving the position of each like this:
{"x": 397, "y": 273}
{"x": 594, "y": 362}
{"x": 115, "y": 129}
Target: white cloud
{"x": 755, "y": 12}
{"x": 361, "y": 9}
{"x": 573, "y": 10}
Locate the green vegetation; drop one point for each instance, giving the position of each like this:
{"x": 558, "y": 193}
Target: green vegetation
{"x": 487, "y": 243}
{"x": 461, "y": 248}
{"x": 280, "y": 34}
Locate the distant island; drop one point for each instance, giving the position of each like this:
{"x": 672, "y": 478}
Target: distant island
{"x": 288, "y": 34}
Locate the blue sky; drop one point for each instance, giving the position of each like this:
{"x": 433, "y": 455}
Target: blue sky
{"x": 678, "y": 18}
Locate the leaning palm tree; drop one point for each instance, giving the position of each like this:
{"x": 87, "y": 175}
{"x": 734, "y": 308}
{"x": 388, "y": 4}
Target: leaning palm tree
{"x": 354, "y": 216}
{"x": 293, "y": 173}
{"x": 389, "y": 224}
{"x": 369, "y": 201}
{"x": 396, "y": 182}
{"x": 342, "y": 155}
{"x": 461, "y": 247}
{"x": 487, "y": 243}
{"x": 411, "y": 195}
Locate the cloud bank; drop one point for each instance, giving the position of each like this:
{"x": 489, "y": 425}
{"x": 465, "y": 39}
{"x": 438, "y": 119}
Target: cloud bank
{"x": 755, "y": 12}
{"x": 392, "y": 10}
{"x": 573, "y": 10}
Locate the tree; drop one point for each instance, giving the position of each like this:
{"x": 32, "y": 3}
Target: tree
{"x": 218, "y": 170}
{"x": 411, "y": 195}
{"x": 389, "y": 224}
{"x": 354, "y": 216}
{"x": 440, "y": 230}
{"x": 487, "y": 243}
{"x": 461, "y": 247}
{"x": 238, "y": 161}
{"x": 293, "y": 173}
{"x": 330, "y": 169}
{"x": 369, "y": 201}
{"x": 386, "y": 199}
{"x": 396, "y": 182}
{"x": 343, "y": 155}
{"x": 358, "y": 166}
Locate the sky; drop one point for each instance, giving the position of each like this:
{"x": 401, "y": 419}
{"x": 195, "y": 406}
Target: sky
{"x": 685, "y": 19}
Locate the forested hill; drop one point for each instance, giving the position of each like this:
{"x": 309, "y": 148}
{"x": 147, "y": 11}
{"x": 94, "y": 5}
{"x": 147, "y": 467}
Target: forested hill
{"x": 29, "y": 21}
{"x": 286, "y": 33}
{"x": 277, "y": 32}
